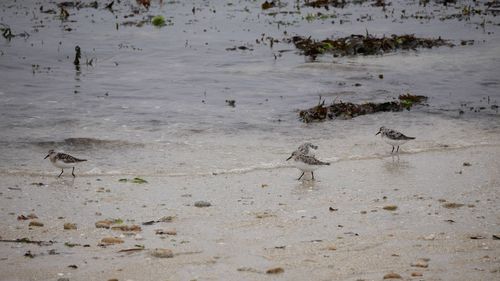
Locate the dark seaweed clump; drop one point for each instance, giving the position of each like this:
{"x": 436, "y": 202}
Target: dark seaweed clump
{"x": 364, "y": 45}
{"x": 347, "y": 110}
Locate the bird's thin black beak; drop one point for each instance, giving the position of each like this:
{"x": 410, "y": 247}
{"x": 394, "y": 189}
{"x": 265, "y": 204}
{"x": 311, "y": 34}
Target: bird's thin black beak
{"x": 46, "y": 156}
{"x": 289, "y": 157}
{"x": 377, "y": 133}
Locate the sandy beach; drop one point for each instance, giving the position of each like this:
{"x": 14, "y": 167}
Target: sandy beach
{"x": 334, "y": 228}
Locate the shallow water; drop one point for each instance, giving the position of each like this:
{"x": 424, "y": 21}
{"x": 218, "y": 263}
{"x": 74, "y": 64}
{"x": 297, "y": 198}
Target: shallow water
{"x": 153, "y": 100}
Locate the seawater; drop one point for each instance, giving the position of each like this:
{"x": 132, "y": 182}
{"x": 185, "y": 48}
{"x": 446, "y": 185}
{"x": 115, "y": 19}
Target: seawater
{"x": 152, "y": 101}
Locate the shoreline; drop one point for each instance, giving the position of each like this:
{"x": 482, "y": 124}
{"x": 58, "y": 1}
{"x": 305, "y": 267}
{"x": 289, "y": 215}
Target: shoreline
{"x": 335, "y": 228}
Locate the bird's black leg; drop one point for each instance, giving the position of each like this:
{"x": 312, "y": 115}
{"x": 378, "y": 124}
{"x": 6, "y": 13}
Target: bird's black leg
{"x": 397, "y": 149}
{"x": 62, "y": 171}
{"x": 301, "y": 176}
{"x": 312, "y": 174}
{"x": 392, "y": 149}
{"x": 73, "y": 172}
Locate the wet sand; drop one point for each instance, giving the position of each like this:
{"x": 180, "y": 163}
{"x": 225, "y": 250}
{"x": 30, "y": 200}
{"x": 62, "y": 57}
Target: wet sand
{"x": 334, "y": 228}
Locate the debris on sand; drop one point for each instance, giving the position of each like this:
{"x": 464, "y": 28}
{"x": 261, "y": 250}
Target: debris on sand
{"x": 131, "y": 250}
{"x": 110, "y": 241}
{"x": 430, "y": 237}
{"x": 134, "y": 180}
{"x": 132, "y": 228}
{"x": 36, "y": 223}
{"x": 28, "y": 217}
{"x": 347, "y": 110}
{"x": 69, "y": 226}
{"x": 276, "y": 270}
{"x": 71, "y": 245}
{"x": 28, "y": 241}
{"x": 453, "y": 205}
{"x": 363, "y": 45}
{"x": 422, "y": 263}
{"x": 172, "y": 232}
{"x": 248, "y": 269}
{"x": 162, "y": 253}
{"x": 392, "y": 276}
{"x": 390, "y": 207}
{"x": 103, "y": 224}
{"x": 202, "y": 204}
{"x": 163, "y": 219}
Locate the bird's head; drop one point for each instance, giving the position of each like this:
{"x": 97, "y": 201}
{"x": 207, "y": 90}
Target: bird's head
{"x": 381, "y": 130}
{"x": 51, "y": 152}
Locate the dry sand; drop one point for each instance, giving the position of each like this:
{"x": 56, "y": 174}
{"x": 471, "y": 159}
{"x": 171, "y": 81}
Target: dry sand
{"x": 335, "y": 228}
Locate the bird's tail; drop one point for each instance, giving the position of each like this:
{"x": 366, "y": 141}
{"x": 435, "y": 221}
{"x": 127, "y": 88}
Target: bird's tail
{"x": 80, "y": 160}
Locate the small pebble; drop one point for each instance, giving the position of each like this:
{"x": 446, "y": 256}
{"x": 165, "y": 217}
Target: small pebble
{"x": 103, "y": 224}
{"x": 202, "y": 204}
{"x": 162, "y": 253}
{"x": 392, "y": 276}
{"x": 420, "y": 263}
{"x": 430, "y": 237}
{"x": 36, "y": 223}
{"x": 276, "y": 270}
{"x": 390, "y": 207}
{"x": 69, "y": 226}
{"x": 111, "y": 240}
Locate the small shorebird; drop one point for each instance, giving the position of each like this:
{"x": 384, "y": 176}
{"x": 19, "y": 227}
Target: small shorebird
{"x": 63, "y": 160}
{"x": 307, "y": 148}
{"x": 393, "y": 137}
{"x": 306, "y": 163}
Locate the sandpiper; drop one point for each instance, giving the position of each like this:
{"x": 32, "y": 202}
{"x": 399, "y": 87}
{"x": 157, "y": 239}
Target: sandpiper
{"x": 306, "y": 163}
{"x": 63, "y": 160}
{"x": 393, "y": 137}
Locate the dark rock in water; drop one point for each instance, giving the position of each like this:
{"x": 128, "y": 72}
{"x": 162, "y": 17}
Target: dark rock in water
{"x": 268, "y": 5}
{"x": 78, "y": 55}
{"x": 202, "y": 204}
